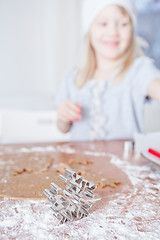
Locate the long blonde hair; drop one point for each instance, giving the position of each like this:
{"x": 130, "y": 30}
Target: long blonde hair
{"x": 89, "y": 64}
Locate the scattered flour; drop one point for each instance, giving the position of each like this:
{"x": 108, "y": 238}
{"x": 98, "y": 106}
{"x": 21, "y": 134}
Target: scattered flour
{"x": 131, "y": 216}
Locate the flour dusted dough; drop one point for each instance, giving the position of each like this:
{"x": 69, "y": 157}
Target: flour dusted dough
{"x": 26, "y": 175}
{"x": 98, "y": 179}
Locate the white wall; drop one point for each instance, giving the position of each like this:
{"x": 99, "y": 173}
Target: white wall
{"x": 38, "y": 43}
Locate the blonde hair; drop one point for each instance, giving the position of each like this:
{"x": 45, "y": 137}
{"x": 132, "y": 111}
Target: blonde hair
{"x": 87, "y": 69}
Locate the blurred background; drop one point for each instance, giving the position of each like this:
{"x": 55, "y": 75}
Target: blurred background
{"x": 39, "y": 43}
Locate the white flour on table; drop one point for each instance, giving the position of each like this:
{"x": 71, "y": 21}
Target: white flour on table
{"x": 140, "y": 220}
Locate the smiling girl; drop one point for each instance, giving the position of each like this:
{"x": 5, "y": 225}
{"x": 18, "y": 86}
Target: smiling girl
{"x": 104, "y": 98}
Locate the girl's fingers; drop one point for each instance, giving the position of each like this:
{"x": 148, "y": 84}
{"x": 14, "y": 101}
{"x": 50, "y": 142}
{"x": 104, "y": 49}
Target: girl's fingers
{"x": 69, "y": 112}
{"x": 64, "y": 119}
{"x": 73, "y": 106}
{"x": 69, "y": 116}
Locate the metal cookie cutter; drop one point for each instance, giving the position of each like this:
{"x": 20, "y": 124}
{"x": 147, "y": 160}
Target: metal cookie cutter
{"x": 72, "y": 202}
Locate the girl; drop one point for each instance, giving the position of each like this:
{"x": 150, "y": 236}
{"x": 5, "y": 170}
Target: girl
{"x": 104, "y": 98}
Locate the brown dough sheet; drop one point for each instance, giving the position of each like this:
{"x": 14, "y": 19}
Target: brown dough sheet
{"x": 26, "y": 175}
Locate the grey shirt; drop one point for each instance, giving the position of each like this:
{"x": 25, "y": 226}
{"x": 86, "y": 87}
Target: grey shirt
{"x": 110, "y": 112}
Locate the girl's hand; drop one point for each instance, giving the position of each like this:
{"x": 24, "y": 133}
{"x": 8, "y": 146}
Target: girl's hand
{"x": 69, "y": 112}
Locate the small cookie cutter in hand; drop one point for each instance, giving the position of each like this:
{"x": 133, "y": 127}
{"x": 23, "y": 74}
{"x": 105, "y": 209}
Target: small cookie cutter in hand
{"x": 70, "y": 203}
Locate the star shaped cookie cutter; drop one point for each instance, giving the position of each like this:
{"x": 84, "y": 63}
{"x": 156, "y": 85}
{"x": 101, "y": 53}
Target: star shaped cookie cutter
{"x": 72, "y": 202}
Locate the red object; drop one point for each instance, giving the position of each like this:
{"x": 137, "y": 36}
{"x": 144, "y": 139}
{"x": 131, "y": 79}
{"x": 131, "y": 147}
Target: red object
{"x": 153, "y": 152}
